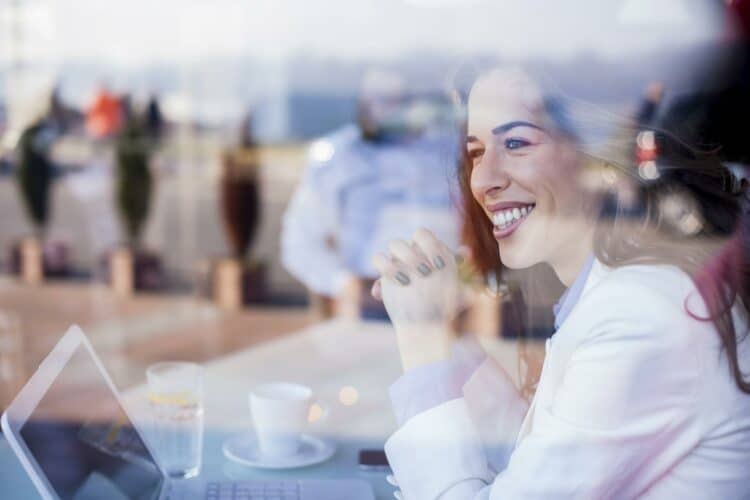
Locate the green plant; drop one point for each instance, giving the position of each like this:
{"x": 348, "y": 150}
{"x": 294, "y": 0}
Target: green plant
{"x": 134, "y": 182}
{"x": 35, "y": 174}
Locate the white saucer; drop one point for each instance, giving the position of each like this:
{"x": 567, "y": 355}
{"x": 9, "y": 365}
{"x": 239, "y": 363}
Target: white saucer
{"x": 243, "y": 449}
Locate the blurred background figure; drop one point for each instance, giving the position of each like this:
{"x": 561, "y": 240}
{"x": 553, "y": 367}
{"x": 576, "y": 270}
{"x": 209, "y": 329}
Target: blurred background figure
{"x": 62, "y": 116}
{"x": 650, "y": 104}
{"x": 104, "y": 115}
{"x": 365, "y": 185}
{"x": 246, "y": 136}
{"x": 154, "y": 118}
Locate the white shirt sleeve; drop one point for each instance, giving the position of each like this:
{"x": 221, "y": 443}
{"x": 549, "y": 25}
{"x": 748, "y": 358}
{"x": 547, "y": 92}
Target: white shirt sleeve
{"x": 497, "y": 410}
{"x": 305, "y": 251}
{"x": 622, "y": 415}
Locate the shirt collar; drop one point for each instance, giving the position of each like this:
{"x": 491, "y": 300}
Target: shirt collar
{"x": 569, "y": 299}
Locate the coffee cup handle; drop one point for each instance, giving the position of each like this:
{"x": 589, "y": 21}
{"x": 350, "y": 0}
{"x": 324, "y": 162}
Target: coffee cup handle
{"x": 325, "y": 411}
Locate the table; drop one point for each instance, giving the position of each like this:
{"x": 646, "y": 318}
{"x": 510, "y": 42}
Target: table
{"x": 349, "y": 364}
{"x": 131, "y": 333}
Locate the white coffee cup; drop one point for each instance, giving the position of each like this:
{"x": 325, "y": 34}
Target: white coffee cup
{"x": 280, "y": 413}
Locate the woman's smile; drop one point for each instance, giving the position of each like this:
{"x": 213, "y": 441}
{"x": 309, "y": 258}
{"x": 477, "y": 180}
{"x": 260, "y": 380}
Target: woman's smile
{"x": 507, "y": 217}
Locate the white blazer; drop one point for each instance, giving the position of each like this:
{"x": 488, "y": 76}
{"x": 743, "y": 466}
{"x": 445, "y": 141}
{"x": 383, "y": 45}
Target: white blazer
{"x": 635, "y": 400}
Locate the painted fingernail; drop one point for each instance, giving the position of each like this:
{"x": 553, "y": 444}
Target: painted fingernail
{"x": 439, "y": 262}
{"x": 402, "y": 278}
{"x": 424, "y": 269}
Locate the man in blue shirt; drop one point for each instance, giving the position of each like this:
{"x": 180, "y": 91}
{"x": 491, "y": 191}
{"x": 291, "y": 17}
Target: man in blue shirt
{"x": 366, "y": 185}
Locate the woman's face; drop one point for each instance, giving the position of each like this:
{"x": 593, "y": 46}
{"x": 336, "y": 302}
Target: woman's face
{"x": 525, "y": 175}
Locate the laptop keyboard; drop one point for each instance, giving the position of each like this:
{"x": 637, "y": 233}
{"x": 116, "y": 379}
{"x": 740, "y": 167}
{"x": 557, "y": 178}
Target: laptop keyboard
{"x": 253, "y": 490}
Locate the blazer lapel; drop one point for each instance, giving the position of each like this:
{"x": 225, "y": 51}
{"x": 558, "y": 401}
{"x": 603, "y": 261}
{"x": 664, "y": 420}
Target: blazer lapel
{"x": 598, "y": 271}
{"x": 526, "y": 425}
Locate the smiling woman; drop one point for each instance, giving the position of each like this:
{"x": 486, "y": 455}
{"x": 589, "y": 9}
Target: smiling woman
{"x": 521, "y": 161}
{"x": 644, "y": 379}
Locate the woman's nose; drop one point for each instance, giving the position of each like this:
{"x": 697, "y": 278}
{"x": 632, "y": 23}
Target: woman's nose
{"x": 488, "y": 175}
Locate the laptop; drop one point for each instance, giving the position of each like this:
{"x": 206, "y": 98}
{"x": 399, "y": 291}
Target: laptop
{"x": 76, "y": 441}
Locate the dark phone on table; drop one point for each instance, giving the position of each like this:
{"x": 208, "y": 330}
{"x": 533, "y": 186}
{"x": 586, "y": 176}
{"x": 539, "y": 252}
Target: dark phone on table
{"x": 373, "y": 460}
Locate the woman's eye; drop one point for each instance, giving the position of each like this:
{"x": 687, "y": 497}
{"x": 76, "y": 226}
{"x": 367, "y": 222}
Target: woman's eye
{"x": 515, "y": 143}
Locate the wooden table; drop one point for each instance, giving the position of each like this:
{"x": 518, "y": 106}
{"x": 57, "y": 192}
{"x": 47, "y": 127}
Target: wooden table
{"x": 129, "y": 334}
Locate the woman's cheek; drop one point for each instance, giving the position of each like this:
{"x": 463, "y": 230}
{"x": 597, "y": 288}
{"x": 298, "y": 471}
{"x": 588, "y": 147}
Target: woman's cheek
{"x": 530, "y": 176}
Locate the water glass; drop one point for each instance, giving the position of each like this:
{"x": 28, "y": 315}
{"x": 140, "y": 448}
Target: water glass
{"x": 176, "y": 400}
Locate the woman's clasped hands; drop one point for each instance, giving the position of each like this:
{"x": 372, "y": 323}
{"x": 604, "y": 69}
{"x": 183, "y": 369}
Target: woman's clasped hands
{"x": 421, "y": 290}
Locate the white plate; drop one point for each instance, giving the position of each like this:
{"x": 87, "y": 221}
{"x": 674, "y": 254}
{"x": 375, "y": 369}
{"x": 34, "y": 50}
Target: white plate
{"x": 243, "y": 449}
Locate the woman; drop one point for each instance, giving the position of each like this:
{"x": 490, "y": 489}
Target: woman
{"x": 641, "y": 393}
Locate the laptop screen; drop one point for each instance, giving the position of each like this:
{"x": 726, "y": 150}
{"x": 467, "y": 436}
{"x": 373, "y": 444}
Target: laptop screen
{"x": 84, "y": 442}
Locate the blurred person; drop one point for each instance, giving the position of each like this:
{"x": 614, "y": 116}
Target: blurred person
{"x": 246, "y": 134}
{"x": 154, "y": 118}
{"x": 365, "y": 185}
{"x": 643, "y": 392}
{"x": 649, "y": 106}
{"x": 62, "y": 116}
{"x": 104, "y": 115}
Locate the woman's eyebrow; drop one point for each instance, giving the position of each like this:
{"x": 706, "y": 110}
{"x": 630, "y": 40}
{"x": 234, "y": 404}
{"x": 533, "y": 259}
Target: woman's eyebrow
{"x": 471, "y": 138}
{"x": 501, "y": 129}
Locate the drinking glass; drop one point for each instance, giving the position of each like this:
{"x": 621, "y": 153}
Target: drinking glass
{"x": 176, "y": 399}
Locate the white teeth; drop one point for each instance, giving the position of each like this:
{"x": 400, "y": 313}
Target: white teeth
{"x": 506, "y": 217}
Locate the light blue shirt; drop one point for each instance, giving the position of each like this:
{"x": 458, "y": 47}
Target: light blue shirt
{"x": 365, "y": 195}
{"x": 570, "y": 298}
{"x": 386, "y": 178}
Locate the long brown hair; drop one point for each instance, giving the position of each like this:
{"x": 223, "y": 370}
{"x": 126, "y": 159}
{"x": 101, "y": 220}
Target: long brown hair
{"x": 707, "y": 239}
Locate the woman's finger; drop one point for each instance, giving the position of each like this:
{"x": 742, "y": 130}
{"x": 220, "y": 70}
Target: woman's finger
{"x": 391, "y": 269}
{"x": 438, "y": 254}
{"x": 404, "y": 252}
